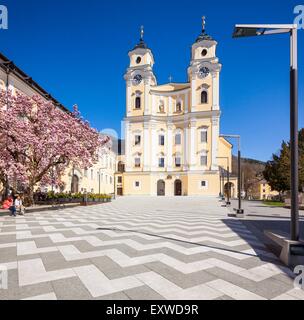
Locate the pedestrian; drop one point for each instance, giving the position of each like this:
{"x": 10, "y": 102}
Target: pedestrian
{"x": 19, "y": 205}
{"x": 9, "y": 204}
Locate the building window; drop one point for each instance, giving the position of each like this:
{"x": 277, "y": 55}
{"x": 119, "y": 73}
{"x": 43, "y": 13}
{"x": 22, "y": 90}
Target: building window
{"x": 119, "y": 179}
{"x": 204, "y": 184}
{"x": 111, "y": 180}
{"x": 137, "y": 103}
{"x": 204, "y": 160}
{"x": 85, "y": 173}
{"x": 178, "y": 139}
{"x": 204, "y": 52}
{"x": 92, "y": 174}
{"x": 137, "y": 184}
{"x": 178, "y": 107}
{"x": 121, "y": 167}
{"x": 204, "y": 136}
{"x": 161, "y": 140}
{"x": 178, "y": 162}
{"x": 138, "y": 60}
{"x": 161, "y": 162}
{"x": 137, "y": 162}
{"x": 106, "y": 179}
{"x": 161, "y": 108}
{"x": 204, "y": 97}
{"x": 137, "y": 140}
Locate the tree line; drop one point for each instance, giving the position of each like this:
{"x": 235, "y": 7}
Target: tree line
{"x": 277, "y": 170}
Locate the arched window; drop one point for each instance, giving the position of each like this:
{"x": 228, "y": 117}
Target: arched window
{"x": 137, "y": 103}
{"x": 178, "y": 107}
{"x": 204, "y": 97}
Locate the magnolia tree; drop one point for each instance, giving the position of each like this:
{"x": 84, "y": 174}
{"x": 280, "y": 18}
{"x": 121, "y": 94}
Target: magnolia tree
{"x": 38, "y": 141}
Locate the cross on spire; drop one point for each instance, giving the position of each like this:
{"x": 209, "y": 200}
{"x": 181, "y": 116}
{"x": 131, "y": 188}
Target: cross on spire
{"x": 203, "y": 24}
{"x": 142, "y": 32}
{"x": 170, "y": 79}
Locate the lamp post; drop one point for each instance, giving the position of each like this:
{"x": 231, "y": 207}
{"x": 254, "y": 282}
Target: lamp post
{"x": 222, "y": 183}
{"x": 228, "y": 203}
{"x": 238, "y": 137}
{"x": 271, "y": 29}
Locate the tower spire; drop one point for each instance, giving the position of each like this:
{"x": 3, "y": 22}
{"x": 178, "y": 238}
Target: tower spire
{"x": 203, "y": 24}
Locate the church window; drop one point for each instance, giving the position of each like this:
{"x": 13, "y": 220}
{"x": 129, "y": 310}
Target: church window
{"x": 204, "y": 52}
{"x": 138, "y": 60}
{"x": 161, "y": 162}
{"x": 204, "y": 136}
{"x": 178, "y": 106}
{"x": 203, "y": 160}
{"x": 178, "y": 161}
{"x": 137, "y": 140}
{"x": 178, "y": 139}
{"x": 204, "y": 97}
{"x": 137, "y": 103}
{"x": 137, "y": 162}
{"x": 161, "y": 140}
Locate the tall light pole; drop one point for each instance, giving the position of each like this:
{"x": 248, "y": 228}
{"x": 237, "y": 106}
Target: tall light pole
{"x": 228, "y": 203}
{"x": 291, "y": 29}
{"x": 238, "y": 137}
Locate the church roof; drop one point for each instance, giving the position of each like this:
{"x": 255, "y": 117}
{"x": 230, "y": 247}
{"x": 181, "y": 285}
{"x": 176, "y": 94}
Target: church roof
{"x": 171, "y": 87}
{"x": 204, "y": 36}
{"x": 141, "y": 44}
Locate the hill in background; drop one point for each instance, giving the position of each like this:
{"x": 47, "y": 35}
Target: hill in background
{"x": 252, "y": 174}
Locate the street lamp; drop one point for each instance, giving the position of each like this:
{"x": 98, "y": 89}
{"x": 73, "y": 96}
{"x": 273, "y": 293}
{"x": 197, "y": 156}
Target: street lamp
{"x": 222, "y": 183}
{"x": 260, "y": 30}
{"x": 238, "y": 137}
{"x": 228, "y": 203}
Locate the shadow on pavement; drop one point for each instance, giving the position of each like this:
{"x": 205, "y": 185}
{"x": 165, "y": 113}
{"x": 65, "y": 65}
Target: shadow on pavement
{"x": 257, "y": 227}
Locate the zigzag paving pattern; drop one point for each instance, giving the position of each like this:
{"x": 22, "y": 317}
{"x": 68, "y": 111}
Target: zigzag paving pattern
{"x": 139, "y": 248}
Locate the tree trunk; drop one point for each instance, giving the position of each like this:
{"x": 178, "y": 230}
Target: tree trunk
{"x": 29, "y": 196}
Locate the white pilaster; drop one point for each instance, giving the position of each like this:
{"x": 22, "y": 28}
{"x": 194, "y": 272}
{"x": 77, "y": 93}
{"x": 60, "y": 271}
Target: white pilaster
{"x": 215, "y": 91}
{"x": 214, "y": 146}
{"x": 170, "y": 147}
{"x": 147, "y": 92}
{"x": 186, "y": 102}
{"x": 193, "y": 93}
{"x": 154, "y": 107}
{"x": 154, "y": 143}
{"x": 193, "y": 144}
{"x": 170, "y": 111}
{"x": 186, "y": 147}
{"x": 128, "y": 146}
{"x": 147, "y": 162}
{"x": 129, "y": 98}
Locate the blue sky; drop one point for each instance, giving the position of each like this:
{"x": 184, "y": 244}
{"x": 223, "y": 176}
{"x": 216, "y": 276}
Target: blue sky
{"x": 77, "y": 50}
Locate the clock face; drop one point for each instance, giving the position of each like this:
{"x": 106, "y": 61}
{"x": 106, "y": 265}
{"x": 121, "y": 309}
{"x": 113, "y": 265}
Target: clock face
{"x": 138, "y": 79}
{"x": 204, "y": 72}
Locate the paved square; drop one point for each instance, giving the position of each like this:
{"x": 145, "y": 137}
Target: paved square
{"x": 139, "y": 248}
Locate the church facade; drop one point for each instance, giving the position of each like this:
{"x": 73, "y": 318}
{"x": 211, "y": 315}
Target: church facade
{"x": 172, "y": 131}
